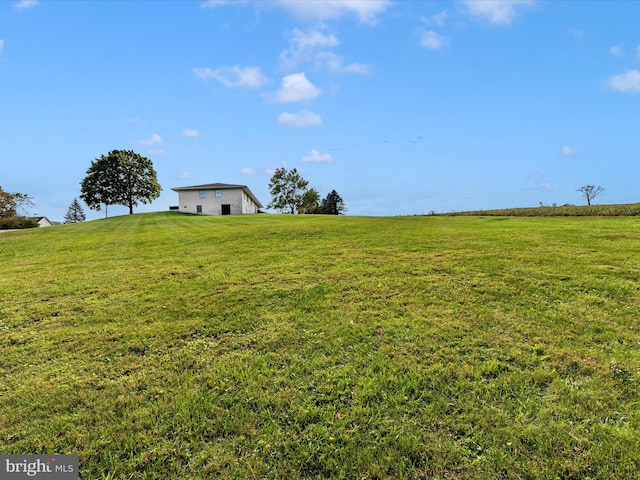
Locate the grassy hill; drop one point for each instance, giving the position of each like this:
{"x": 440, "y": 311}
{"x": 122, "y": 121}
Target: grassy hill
{"x": 162, "y": 346}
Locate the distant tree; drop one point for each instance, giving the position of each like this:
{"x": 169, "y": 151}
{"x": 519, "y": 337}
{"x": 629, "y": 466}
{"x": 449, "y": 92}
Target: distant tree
{"x": 333, "y": 204}
{"x": 288, "y": 189}
{"x": 590, "y": 192}
{"x": 75, "y": 213}
{"x": 310, "y": 201}
{"x": 11, "y": 203}
{"x": 14, "y": 223}
{"x": 123, "y": 177}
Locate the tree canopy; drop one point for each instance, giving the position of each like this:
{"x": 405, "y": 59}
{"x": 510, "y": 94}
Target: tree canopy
{"x": 288, "y": 190}
{"x": 11, "y": 203}
{"x": 310, "y": 201}
{"x": 333, "y": 204}
{"x": 122, "y": 177}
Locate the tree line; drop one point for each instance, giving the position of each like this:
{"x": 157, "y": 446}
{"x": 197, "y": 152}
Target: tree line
{"x": 124, "y": 177}
{"x": 290, "y": 193}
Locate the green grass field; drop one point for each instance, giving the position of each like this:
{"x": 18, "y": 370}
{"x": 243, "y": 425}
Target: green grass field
{"x": 168, "y": 346}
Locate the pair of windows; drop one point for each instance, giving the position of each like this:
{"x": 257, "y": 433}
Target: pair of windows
{"x": 203, "y": 193}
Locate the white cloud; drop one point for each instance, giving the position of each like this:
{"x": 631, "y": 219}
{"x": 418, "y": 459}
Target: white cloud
{"x": 567, "y": 151}
{"x": 316, "y": 156}
{"x": 248, "y": 171}
{"x": 296, "y": 88}
{"x": 1, "y": 45}
{"x": 157, "y": 152}
{"x": 498, "y": 12}
{"x": 616, "y": 50}
{"x": 24, "y": 4}
{"x": 628, "y": 82}
{"x": 303, "y": 119}
{"x": 302, "y": 45}
{"x": 366, "y": 11}
{"x": 233, "y": 77}
{"x": 220, "y": 3}
{"x": 154, "y": 140}
{"x": 438, "y": 19}
{"x": 303, "y": 48}
{"x": 190, "y": 133}
{"x": 335, "y": 63}
{"x": 312, "y": 39}
{"x": 184, "y": 175}
{"x": 433, "y": 40}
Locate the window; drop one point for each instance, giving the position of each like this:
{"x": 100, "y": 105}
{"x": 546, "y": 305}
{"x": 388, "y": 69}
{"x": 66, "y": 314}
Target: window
{"x": 218, "y": 193}
{"x": 203, "y": 194}
{"x": 198, "y": 208}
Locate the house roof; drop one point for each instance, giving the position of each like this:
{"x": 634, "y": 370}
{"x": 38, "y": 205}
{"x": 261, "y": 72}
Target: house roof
{"x": 220, "y": 186}
{"x": 41, "y": 218}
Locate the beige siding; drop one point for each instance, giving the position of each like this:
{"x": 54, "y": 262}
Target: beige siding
{"x": 237, "y": 199}
{"x": 248, "y": 205}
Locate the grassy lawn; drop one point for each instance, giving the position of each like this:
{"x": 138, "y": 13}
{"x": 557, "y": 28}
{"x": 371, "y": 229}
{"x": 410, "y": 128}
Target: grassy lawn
{"x": 166, "y": 346}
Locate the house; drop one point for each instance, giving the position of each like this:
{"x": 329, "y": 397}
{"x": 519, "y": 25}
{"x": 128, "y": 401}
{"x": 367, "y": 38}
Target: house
{"x": 43, "y": 221}
{"x": 217, "y": 199}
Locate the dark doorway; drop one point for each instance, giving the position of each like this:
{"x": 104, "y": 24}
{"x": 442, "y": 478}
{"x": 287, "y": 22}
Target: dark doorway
{"x": 226, "y": 209}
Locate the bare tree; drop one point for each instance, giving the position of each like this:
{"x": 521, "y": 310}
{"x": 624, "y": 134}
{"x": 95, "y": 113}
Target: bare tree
{"x": 590, "y": 192}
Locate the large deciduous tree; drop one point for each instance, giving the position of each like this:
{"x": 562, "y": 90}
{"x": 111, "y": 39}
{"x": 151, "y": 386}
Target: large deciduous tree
{"x": 122, "y": 177}
{"x": 590, "y": 192}
{"x": 333, "y": 204}
{"x": 288, "y": 190}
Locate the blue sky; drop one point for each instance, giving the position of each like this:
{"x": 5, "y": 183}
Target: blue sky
{"x": 403, "y": 107}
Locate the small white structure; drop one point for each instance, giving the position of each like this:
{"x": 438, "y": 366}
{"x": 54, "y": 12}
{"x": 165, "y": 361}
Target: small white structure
{"x": 43, "y": 221}
{"x": 217, "y": 199}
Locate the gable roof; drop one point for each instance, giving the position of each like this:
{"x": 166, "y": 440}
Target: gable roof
{"x": 42, "y": 218}
{"x": 220, "y": 186}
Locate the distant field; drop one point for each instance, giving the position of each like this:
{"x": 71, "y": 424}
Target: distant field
{"x": 614, "y": 210}
{"x": 168, "y": 346}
